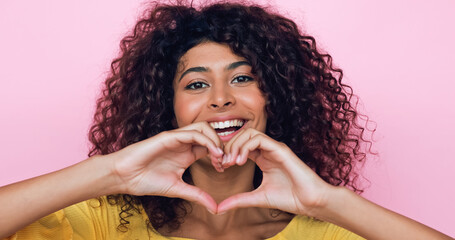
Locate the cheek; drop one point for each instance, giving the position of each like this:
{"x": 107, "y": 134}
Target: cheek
{"x": 187, "y": 109}
{"x": 256, "y": 101}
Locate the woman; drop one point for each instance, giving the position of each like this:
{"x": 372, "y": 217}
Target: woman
{"x": 209, "y": 119}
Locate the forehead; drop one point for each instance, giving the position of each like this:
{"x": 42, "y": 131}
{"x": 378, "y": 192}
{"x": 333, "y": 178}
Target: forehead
{"x": 208, "y": 54}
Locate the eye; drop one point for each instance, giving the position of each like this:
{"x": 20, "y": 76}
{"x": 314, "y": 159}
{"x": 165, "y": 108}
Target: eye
{"x": 242, "y": 79}
{"x": 196, "y": 85}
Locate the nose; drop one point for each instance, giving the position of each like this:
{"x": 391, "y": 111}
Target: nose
{"x": 221, "y": 98}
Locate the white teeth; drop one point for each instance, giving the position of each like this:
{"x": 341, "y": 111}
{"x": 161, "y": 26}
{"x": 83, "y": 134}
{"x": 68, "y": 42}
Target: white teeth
{"x": 225, "y": 133}
{"x": 227, "y": 124}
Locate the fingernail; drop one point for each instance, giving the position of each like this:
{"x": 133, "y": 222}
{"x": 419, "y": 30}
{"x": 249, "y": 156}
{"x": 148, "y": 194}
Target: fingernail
{"x": 221, "y": 213}
{"x": 220, "y": 151}
{"x": 210, "y": 211}
{"x": 229, "y": 157}
{"x": 238, "y": 159}
{"x": 220, "y": 167}
{"x": 224, "y": 159}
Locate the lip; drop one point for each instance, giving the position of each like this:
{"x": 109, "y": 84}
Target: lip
{"x": 226, "y": 118}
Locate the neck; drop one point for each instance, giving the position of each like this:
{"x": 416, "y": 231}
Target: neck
{"x": 234, "y": 180}
{"x": 220, "y": 186}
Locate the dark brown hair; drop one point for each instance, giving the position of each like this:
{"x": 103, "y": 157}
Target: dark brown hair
{"x": 308, "y": 107}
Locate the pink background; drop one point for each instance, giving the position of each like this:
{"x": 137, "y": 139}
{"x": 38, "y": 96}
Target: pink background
{"x": 398, "y": 56}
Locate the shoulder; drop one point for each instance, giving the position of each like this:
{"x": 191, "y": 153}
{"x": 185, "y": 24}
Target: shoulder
{"x": 303, "y": 227}
{"x": 91, "y": 219}
{"x": 102, "y": 218}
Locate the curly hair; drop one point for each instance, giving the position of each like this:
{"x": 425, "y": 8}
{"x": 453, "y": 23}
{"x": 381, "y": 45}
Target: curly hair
{"x": 308, "y": 107}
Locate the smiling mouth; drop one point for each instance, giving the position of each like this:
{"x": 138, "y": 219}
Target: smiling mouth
{"x": 224, "y": 128}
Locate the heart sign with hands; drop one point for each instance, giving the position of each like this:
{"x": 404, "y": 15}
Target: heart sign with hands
{"x": 155, "y": 167}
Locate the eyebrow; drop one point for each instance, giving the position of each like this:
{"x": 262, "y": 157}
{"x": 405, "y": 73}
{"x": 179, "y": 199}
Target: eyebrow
{"x": 231, "y": 66}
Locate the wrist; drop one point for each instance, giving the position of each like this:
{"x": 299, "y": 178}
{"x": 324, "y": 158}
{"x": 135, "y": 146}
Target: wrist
{"x": 106, "y": 175}
{"x": 330, "y": 203}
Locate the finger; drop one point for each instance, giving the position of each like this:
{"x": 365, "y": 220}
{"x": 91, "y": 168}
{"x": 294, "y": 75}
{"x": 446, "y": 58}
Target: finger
{"x": 230, "y": 159}
{"x": 243, "y": 200}
{"x": 228, "y": 145}
{"x": 194, "y": 194}
{"x": 253, "y": 146}
{"x": 206, "y": 129}
{"x": 198, "y": 138}
{"x": 216, "y": 163}
{"x": 234, "y": 145}
{"x": 200, "y": 152}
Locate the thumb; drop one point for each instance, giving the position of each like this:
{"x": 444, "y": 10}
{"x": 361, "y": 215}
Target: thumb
{"x": 194, "y": 194}
{"x": 255, "y": 198}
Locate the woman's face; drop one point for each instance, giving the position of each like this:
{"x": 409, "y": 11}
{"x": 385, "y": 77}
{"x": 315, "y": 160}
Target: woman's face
{"x": 213, "y": 84}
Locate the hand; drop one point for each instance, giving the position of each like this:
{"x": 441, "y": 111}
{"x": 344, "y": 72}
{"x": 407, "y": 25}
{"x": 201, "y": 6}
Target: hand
{"x": 155, "y": 166}
{"x": 288, "y": 184}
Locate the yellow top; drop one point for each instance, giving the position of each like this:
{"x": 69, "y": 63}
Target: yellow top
{"x": 94, "y": 219}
